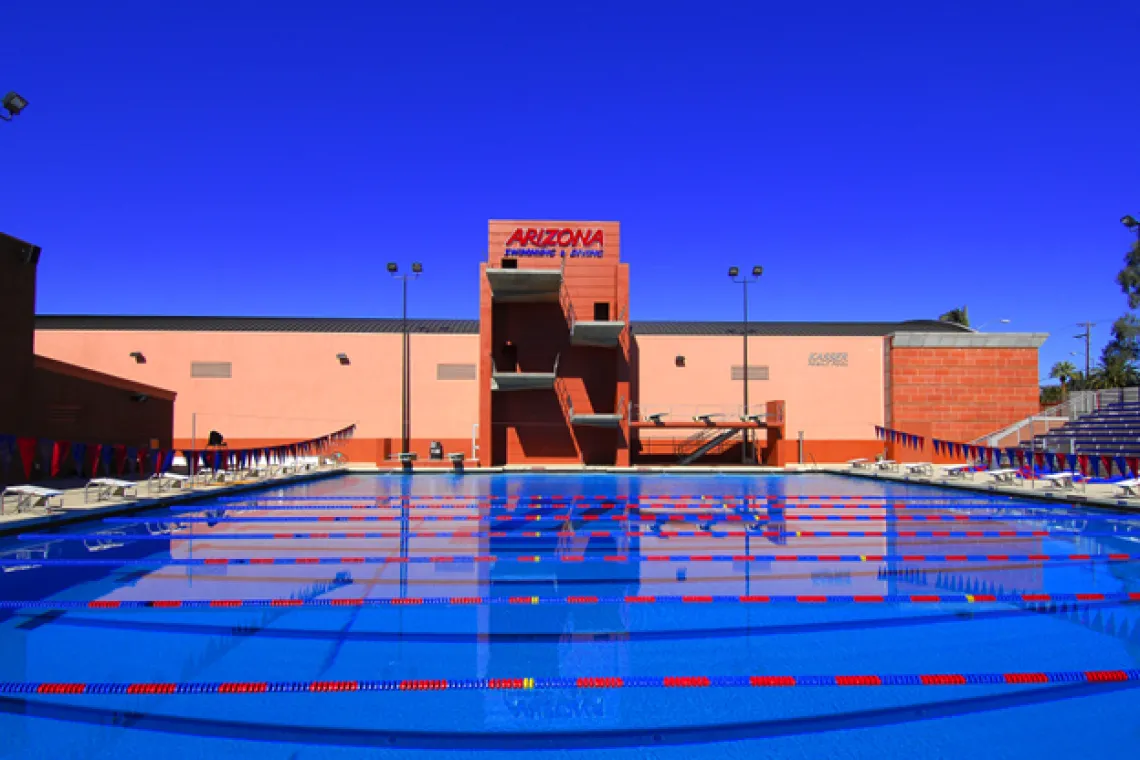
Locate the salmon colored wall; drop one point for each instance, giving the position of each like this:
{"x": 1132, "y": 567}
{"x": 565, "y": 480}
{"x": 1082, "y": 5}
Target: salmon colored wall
{"x": 826, "y": 403}
{"x": 289, "y": 386}
{"x": 962, "y": 393}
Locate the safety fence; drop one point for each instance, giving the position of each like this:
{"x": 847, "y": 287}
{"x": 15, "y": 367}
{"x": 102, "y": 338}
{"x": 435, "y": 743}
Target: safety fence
{"x": 592, "y": 682}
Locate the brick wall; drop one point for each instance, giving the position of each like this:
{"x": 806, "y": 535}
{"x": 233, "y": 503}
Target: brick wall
{"x": 962, "y": 393}
{"x": 532, "y": 427}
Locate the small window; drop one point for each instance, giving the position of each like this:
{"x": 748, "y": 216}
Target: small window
{"x": 602, "y": 311}
{"x": 510, "y": 263}
{"x": 455, "y": 372}
{"x": 680, "y": 361}
{"x": 211, "y": 369}
{"x": 754, "y": 372}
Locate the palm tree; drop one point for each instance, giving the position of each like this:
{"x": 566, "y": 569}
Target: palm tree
{"x": 957, "y": 317}
{"x": 1066, "y": 373}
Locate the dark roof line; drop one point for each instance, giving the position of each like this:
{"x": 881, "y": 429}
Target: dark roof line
{"x": 463, "y": 326}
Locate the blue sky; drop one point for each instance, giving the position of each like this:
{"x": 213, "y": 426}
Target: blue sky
{"x": 881, "y": 160}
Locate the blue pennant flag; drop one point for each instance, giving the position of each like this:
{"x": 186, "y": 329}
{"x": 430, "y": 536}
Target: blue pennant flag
{"x": 79, "y": 456}
{"x": 1051, "y": 460}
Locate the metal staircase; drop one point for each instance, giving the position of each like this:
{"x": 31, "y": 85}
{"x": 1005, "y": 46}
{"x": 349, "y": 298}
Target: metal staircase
{"x": 702, "y": 442}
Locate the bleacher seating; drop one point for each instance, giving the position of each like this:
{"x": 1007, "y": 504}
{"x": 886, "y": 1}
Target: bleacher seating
{"x": 1114, "y": 430}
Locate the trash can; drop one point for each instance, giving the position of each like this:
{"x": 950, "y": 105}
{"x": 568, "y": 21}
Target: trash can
{"x": 436, "y": 450}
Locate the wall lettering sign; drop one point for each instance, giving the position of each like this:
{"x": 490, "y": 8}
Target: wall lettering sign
{"x": 838, "y": 359}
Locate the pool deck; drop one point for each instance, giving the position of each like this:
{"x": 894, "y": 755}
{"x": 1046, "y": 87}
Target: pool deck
{"x": 75, "y": 509}
{"x": 1103, "y": 495}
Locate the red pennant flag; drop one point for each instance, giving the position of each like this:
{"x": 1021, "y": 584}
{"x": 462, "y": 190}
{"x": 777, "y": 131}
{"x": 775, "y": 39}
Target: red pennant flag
{"x": 1107, "y": 462}
{"x": 58, "y": 452}
{"x": 1062, "y": 460}
{"x": 1083, "y": 463}
{"x": 1039, "y": 457}
{"x": 93, "y": 452}
{"x": 27, "y": 449}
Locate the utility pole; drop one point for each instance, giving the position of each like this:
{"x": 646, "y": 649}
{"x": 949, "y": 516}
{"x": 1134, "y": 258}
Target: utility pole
{"x": 1087, "y": 338}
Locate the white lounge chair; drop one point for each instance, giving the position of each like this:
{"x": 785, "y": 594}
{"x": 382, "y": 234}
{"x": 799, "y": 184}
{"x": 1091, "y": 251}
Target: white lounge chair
{"x": 167, "y": 481}
{"x": 1004, "y": 475}
{"x": 957, "y": 470}
{"x": 31, "y": 497}
{"x": 106, "y": 488}
{"x": 1059, "y": 479}
{"x": 886, "y": 464}
{"x": 919, "y": 468}
{"x": 1130, "y": 487}
{"x": 862, "y": 463}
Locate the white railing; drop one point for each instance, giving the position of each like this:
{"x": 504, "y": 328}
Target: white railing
{"x": 1078, "y": 404}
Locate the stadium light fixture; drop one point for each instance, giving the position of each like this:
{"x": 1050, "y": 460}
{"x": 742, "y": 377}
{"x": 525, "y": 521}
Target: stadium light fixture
{"x": 13, "y": 103}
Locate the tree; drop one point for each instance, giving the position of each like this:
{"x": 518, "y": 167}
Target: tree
{"x": 1051, "y": 395}
{"x": 1116, "y": 371}
{"x": 1117, "y": 368}
{"x": 1066, "y": 373}
{"x": 956, "y": 316}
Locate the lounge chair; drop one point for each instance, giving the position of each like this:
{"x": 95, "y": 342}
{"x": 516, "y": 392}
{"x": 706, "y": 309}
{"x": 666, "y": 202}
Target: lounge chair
{"x": 862, "y": 463}
{"x": 919, "y": 468}
{"x": 1059, "y": 479}
{"x": 106, "y": 488}
{"x": 886, "y": 464}
{"x": 957, "y": 470}
{"x": 167, "y": 481}
{"x": 1004, "y": 475}
{"x": 1130, "y": 487}
{"x": 213, "y": 477}
{"x": 31, "y": 497}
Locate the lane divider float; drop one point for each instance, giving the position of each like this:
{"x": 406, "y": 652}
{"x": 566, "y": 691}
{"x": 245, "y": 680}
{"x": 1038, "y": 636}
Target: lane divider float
{"x": 486, "y": 601}
{"x": 589, "y": 682}
{"x": 568, "y": 559}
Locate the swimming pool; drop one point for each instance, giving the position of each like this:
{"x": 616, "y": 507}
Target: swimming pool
{"x": 656, "y": 615}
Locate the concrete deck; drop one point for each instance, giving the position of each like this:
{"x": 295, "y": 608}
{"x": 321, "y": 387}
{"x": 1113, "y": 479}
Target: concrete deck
{"x": 1104, "y": 495}
{"x": 75, "y": 510}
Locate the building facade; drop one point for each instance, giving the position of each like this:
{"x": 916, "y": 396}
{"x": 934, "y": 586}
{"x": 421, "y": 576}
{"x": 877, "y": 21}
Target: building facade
{"x": 554, "y": 371}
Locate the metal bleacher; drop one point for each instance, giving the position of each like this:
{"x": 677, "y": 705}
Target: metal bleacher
{"x": 1110, "y": 429}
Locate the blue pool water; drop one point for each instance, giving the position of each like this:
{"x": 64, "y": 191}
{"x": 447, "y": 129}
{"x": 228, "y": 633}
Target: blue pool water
{"x": 478, "y": 620}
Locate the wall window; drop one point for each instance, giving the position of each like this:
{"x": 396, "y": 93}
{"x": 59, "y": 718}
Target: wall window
{"x": 455, "y": 372}
{"x": 754, "y": 372}
{"x": 211, "y": 369}
{"x": 680, "y": 361}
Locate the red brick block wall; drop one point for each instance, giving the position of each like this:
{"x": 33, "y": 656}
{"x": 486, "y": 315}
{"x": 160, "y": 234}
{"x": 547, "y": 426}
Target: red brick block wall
{"x": 962, "y": 393}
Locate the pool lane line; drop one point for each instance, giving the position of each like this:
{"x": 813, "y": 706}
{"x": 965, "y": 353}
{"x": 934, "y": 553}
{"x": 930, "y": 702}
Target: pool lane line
{"x": 582, "y": 683}
{"x": 586, "y": 599}
{"x": 305, "y": 536}
{"x": 602, "y": 498}
{"x": 643, "y": 518}
{"x": 565, "y": 559}
{"x": 643, "y": 507}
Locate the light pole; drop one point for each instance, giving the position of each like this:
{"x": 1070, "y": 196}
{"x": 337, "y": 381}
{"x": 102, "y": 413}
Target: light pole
{"x": 394, "y": 270}
{"x": 734, "y": 275}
